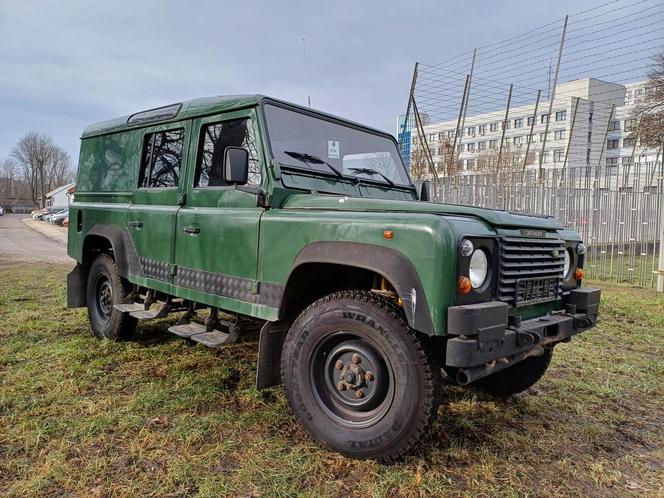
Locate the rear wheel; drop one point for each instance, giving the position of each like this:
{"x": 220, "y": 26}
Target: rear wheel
{"x": 358, "y": 377}
{"x": 106, "y": 288}
{"x": 517, "y": 378}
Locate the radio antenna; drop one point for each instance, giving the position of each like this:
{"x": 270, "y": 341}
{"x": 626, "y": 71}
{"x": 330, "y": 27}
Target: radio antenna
{"x": 306, "y": 72}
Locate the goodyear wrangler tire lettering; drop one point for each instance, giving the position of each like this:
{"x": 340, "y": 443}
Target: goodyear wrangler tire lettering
{"x": 357, "y": 376}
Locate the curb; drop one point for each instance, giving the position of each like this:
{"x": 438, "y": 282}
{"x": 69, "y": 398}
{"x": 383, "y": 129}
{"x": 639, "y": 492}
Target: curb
{"x": 54, "y": 233}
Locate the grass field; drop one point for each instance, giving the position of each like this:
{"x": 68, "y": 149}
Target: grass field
{"x": 158, "y": 417}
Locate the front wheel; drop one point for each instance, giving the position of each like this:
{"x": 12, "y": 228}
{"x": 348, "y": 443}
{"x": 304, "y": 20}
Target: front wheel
{"x": 358, "y": 378}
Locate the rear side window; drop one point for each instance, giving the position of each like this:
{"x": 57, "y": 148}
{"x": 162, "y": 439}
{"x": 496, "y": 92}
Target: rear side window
{"x": 215, "y": 137}
{"x": 162, "y": 157}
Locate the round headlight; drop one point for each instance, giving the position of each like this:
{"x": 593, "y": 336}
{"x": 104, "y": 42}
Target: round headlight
{"x": 466, "y": 248}
{"x": 479, "y": 267}
{"x": 567, "y": 264}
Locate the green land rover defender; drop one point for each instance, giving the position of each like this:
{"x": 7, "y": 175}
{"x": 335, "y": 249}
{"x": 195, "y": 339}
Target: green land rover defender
{"x": 244, "y": 211}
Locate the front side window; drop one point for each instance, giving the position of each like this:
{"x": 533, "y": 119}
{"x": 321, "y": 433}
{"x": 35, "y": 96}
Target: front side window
{"x": 162, "y": 158}
{"x": 299, "y": 140}
{"x": 561, "y": 115}
{"x": 214, "y": 139}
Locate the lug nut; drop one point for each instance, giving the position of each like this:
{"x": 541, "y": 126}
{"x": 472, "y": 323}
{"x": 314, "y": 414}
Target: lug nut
{"x": 341, "y": 386}
{"x": 359, "y": 394}
{"x": 338, "y": 365}
{"x": 355, "y": 358}
{"x": 369, "y": 376}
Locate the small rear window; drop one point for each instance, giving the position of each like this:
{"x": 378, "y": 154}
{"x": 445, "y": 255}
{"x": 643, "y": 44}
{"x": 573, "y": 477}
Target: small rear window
{"x": 162, "y": 157}
{"x": 158, "y": 114}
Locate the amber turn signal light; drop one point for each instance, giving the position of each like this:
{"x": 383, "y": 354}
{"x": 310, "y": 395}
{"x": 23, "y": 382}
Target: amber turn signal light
{"x": 579, "y": 274}
{"x": 464, "y": 285}
{"x": 388, "y": 234}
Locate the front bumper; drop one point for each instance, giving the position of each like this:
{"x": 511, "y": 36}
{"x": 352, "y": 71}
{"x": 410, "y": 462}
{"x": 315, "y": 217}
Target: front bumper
{"x": 486, "y": 333}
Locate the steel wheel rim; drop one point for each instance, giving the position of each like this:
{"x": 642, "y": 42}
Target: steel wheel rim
{"x": 104, "y": 297}
{"x": 336, "y": 378}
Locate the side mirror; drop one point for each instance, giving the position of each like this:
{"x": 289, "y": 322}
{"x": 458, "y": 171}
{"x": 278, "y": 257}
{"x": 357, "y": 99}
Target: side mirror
{"x": 425, "y": 191}
{"x": 236, "y": 165}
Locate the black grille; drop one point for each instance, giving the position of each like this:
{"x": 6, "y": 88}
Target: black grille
{"x": 531, "y": 270}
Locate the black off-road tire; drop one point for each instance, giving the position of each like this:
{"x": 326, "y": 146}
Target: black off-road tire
{"x": 391, "y": 417}
{"x": 105, "y": 288}
{"x": 517, "y": 378}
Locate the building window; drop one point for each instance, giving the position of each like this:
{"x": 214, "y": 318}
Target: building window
{"x": 459, "y": 149}
{"x": 545, "y": 156}
{"x": 481, "y": 145}
{"x": 630, "y": 124}
{"x": 530, "y": 120}
{"x": 559, "y": 134}
{"x": 493, "y": 127}
{"x": 470, "y": 163}
{"x": 544, "y": 118}
{"x": 542, "y": 136}
{"x": 625, "y": 160}
{"x": 506, "y": 125}
{"x": 493, "y": 144}
{"x": 471, "y": 147}
{"x": 613, "y": 144}
{"x": 450, "y": 134}
{"x": 432, "y": 137}
{"x": 628, "y": 142}
{"x": 638, "y": 92}
{"x": 516, "y": 140}
{"x": 614, "y": 126}
{"x": 162, "y": 156}
{"x": 628, "y": 95}
{"x": 482, "y": 130}
{"x": 612, "y": 161}
{"x": 558, "y": 155}
{"x": 518, "y": 123}
{"x": 471, "y": 131}
{"x": 215, "y": 138}
{"x": 561, "y": 115}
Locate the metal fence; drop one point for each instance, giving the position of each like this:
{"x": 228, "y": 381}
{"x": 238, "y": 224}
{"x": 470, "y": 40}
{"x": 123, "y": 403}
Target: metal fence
{"x": 617, "y": 210}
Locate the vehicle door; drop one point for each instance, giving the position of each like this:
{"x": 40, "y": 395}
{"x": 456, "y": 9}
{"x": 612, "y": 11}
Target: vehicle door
{"x": 151, "y": 221}
{"x": 218, "y": 225}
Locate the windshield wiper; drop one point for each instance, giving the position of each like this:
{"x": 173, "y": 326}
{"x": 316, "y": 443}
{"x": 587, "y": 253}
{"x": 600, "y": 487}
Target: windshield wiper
{"x": 310, "y": 159}
{"x": 370, "y": 171}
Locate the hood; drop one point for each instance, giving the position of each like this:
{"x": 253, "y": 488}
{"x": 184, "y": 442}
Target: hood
{"x": 494, "y": 217}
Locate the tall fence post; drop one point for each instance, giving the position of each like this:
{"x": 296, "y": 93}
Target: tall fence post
{"x": 502, "y": 136}
{"x": 532, "y": 129}
{"x": 458, "y": 130}
{"x": 411, "y": 96}
{"x": 553, "y": 96}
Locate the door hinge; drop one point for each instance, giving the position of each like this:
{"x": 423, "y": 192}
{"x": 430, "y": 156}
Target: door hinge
{"x": 182, "y": 198}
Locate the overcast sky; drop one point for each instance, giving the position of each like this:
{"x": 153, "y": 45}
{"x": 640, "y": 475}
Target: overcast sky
{"x": 64, "y": 65}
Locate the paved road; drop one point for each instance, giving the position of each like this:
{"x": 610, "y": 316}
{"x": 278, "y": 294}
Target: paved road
{"x": 18, "y": 242}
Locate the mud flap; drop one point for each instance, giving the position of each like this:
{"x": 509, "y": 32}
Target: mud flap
{"x": 76, "y": 282}
{"x": 270, "y": 345}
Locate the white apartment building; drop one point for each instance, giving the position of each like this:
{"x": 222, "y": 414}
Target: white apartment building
{"x": 588, "y": 126}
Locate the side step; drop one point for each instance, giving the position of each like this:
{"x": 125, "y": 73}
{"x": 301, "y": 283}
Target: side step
{"x": 199, "y": 333}
{"x": 138, "y": 311}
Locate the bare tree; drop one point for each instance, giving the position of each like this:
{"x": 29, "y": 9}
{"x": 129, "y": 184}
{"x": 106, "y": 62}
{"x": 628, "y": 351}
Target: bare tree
{"x": 507, "y": 161}
{"x": 45, "y": 165}
{"x": 419, "y": 163}
{"x": 650, "y": 112}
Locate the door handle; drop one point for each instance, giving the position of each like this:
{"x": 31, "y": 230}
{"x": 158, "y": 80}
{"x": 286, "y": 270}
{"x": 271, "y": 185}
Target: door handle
{"x": 136, "y": 224}
{"x": 191, "y": 230}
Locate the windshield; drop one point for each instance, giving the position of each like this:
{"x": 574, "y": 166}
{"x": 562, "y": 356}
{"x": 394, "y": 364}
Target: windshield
{"x": 306, "y": 142}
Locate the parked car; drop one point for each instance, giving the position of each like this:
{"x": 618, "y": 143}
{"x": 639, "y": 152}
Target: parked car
{"x": 2, "y": 211}
{"x": 310, "y": 226}
{"x": 42, "y": 213}
{"x": 58, "y": 217}
{"x": 65, "y": 222}
{"x": 54, "y": 212}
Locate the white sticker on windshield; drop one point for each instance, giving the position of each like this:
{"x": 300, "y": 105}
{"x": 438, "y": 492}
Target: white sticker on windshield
{"x": 333, "y": 149}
